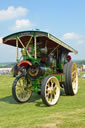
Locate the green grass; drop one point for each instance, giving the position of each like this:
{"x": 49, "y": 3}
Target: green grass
{"x": 68, "y": 113}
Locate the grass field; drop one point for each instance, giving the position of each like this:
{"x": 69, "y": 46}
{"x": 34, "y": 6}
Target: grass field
{"x": 68, "y": 113}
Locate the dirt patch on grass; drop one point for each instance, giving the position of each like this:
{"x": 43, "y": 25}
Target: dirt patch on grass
{"x": 46, "y": 126}
{"x": 77, "y": 111}
{"x": 49, "y": 125}
{"x": 80, "y": 110}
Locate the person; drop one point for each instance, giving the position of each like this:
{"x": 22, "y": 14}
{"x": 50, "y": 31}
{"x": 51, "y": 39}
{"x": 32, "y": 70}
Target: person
{"x": 78, "y": 71}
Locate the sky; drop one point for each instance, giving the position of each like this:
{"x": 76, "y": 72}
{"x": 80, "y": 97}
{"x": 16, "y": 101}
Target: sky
{"x": 65, "y": 19}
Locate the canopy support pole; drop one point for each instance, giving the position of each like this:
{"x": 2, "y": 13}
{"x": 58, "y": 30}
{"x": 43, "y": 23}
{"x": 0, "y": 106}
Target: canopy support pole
{"x": 35, "y": 46}
{"x": 16, "y": 49}
{"x": 21, "y": 42}
{"x": 29, "y": 41}
{"x": 57, "y": 53}
{"x": 54, "y": 49}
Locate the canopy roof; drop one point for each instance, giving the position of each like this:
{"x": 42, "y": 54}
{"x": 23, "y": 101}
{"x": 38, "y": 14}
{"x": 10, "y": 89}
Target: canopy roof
{"x": 24, "y": 36}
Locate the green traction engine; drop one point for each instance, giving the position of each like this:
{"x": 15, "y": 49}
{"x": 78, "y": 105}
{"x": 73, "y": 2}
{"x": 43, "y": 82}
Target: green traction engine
{"x": 43, "y": 67}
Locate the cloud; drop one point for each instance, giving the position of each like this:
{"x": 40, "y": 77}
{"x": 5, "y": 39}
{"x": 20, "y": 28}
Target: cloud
{"x": 70, "y": 36}
{"x": 22, "y": 24}
{"x": 12, "y": 13}
{"x": 81, "y": 42}
{"x": 74, "y": 37}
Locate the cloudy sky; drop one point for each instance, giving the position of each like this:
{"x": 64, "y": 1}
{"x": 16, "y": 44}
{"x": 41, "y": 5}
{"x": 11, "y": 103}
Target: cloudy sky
{"x": 63, "y": 18}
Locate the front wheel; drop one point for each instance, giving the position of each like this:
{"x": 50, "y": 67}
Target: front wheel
{"x": 21, "y": 89}
{"x": 50, "y": 90}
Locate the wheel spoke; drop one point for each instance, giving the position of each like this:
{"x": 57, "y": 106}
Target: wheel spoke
{"x": 73, "y": 72}
{"x": 74, "y": 79}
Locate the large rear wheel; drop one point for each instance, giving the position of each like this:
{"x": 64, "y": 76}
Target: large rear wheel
{"x": 50, "y": 90}
{"x": 71, "y": 79}
{"x": 21, "y": 90}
